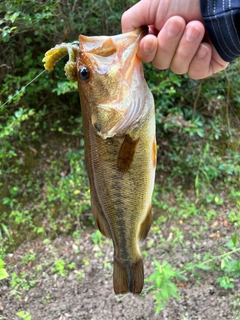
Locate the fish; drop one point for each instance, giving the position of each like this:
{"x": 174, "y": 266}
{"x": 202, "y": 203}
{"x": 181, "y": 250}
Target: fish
{"x": 120, "y": 146}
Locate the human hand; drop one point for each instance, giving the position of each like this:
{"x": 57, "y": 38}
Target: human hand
{"x": 175, "y": 37}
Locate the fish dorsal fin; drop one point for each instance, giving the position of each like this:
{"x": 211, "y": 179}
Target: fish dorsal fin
{"x": 126, "y": 153}
{"x": 145, "y": 225}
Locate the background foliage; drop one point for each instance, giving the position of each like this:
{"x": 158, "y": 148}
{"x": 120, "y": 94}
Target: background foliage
{"x": 197, "y": 121}
{"x": 43, "y": 184}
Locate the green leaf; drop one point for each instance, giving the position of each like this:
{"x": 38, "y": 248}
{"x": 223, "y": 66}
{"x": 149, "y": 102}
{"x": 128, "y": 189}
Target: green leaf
{"x": 24, "y": 315}
{"x": 5, "y": 229}
{"x": 2, "y": 263}
{"x": 226, "y": 282}
{"x": 235, "y": 240}
{"x": 3, "y": 274}
{"x": 165, "y": 293}
{"x": 204, "y": 267}
{"x": 159, "y": 308}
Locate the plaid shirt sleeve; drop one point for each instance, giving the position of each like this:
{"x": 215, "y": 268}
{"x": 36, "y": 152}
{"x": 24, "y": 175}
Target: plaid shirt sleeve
{"x": 222, "y": 21}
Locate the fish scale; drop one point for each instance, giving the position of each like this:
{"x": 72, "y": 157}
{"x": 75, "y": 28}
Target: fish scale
{"x": 120, "y": 144}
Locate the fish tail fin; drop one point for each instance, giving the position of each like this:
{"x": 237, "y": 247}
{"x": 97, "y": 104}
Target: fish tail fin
{"x": 128, "y": 278}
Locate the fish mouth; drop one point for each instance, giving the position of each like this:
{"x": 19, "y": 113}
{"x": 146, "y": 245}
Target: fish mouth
{"x": 130, "y": 42}
{"x": 117, "y": 70}
{"x": 143, "y": 31}
{"x": 123, "y": 115}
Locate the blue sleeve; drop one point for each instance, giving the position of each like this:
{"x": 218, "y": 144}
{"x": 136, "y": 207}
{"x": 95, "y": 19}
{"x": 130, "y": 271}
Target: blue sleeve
{"x": 222, "y": 22}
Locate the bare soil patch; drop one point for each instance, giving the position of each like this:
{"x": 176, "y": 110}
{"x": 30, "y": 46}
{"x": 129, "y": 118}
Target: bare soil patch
{"x": 86, "y": 292}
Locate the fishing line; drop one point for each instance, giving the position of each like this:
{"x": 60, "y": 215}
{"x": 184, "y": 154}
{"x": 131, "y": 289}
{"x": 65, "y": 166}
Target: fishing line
{"x": 22, "y": 89}
{"x": 54, "y": 61}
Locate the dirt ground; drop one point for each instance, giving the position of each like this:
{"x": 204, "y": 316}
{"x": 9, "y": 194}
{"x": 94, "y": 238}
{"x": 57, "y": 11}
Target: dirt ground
{"x": 86, "y": 292}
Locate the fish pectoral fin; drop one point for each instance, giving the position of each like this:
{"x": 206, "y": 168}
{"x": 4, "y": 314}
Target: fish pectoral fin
{"x": 128, "y": 278}
{"x": 126, "y": 153}
{"x": 145, "y": 225}
{"x": 100, "y": 221}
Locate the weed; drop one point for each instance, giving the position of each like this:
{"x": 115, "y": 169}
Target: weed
{"x": 236, "y": 303}
{"x": 3, "y": 272}
{"x": 25, "y": 315}
{"x": 226, "y": 282}
{"x": 60, "y": 267}
{"x": 229, "y": 266}
{"x": 163, "y": 287}
{"x": 48, "y": 296}
{"x": 80, "y": 275}
{"x": 86, "y": 262}
{"x": 97, "y": 237}
{"x": 210, "y": 214}
{"x": 234, "y": 217}
{"x": 21, "y": 282}
{"x": 107, "y": 265}
{"x": 4, "y": 230}
{"x": 29, "y": 257}
{"x": 71, "y": 266}
{"x": 176, "y": 236}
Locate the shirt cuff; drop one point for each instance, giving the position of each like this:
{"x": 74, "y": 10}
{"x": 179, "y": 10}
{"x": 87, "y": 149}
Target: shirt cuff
{"x": 222, "y": 22}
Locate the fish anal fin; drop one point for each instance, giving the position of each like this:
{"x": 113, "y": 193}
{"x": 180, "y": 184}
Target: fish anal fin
{"x": 145, "y": 225}
{"x": 102, "y": 225}
{"x": 128, "y": 278}
{"x": 126, "y": 153}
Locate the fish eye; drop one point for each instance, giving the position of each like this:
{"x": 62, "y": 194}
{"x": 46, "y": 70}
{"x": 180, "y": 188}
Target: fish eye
{"x": 84, "y": 73}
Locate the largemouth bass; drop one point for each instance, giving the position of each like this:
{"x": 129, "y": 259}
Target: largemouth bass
{"x": 120, "y": 145}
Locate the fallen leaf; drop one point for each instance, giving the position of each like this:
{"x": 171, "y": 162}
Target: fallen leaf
{"x": 214, "y": 225}
{"x": 33, "y": 150}
{"x": 181, "y": 284}
{"x": 226, "y": 223}
{"x": 214, "y": 235}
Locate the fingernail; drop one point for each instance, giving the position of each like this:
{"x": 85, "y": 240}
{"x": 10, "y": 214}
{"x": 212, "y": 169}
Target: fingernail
{"x": 173, "y": 29}
{"x": 202, "y": 52}
{"x": 149, "y": 46}
{"x": 192, "y": 34}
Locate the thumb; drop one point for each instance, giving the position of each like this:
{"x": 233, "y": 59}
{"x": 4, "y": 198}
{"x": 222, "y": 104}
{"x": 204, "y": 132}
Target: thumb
{"x": 136, "y": 17}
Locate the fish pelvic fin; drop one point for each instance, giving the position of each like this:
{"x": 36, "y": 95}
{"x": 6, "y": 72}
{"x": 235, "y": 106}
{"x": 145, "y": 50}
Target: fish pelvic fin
{"x": 128, "y": 278}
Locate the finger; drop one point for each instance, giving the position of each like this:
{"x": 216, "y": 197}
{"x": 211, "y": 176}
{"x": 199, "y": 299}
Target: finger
{"x": 188, "y": 46}
{"x": 217, "y": 63}
{"x": 137, "y": 16}
{"x": 152, "y": 30}
{"x": 168, "y": 40}
{"x": 147, "y": 48}
{"x": 200, "y": 66}
{"x": 206, "y": 62}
